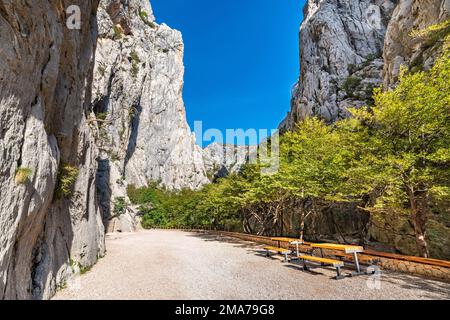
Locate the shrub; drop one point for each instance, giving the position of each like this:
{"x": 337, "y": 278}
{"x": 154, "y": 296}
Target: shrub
{"x": 118, "y": 31}
{"x": 155, "y": 218}
{"x": 120, "y": 206}
{"x": 142, "y": 195}
{"x": 434, "y": 33}
{"x": 67, "y": 176}
{"x": 134, "y": 63}
{"x": 144, "y": 18}
{"x": 351, "y": 85}
{"x": 101, "y": 116}
{"x": 23, "y": 175}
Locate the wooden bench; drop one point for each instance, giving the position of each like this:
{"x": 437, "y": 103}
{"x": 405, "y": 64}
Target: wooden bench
{"x": 284, "y": 252}
{"x": 349, "y": 257}
{"x": 324, "y": 261}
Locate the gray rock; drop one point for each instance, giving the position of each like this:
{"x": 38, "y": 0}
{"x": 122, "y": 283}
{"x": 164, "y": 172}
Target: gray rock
{"x": 400, "y": 48}
{"x": 221, "y": 160}
{"x": 45, "y": 85}
{"x": 143, "y": 132}
{"x": 339, "y": 41}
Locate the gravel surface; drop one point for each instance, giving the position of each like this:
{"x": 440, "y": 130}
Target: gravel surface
{"x": 181, "y": 265}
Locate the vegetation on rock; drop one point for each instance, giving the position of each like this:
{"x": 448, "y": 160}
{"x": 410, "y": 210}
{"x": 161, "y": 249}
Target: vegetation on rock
{"x": 67, "y": 176}
{"x": 144, "y": 18}
{"x": 23, "y": 175}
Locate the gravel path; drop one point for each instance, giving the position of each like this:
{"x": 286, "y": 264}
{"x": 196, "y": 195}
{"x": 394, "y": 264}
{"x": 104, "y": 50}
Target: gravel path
{"x": 180, "y": 265}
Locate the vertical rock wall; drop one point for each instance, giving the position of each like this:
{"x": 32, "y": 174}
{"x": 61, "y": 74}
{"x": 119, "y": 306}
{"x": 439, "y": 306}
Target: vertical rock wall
{"x": 341, "y": 44}
{"x": 137, "y": 98}
{"x": 402, "y": 49}
{"x": 45, "y": 93}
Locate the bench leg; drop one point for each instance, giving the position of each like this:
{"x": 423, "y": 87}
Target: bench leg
{"x": 339, "y": 276}
{"x": 285, "y": 257}
{"x": 305, "y": 266}
{"x": 358, "y": 268}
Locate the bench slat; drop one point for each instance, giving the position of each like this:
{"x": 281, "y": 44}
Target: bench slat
{"x": 280, "y": 250}
{"x": 334, "y": 263}
{"x": 349, "y": 257}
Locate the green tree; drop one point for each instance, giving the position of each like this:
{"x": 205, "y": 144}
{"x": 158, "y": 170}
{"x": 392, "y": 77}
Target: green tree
{"x": 411, "y": 131}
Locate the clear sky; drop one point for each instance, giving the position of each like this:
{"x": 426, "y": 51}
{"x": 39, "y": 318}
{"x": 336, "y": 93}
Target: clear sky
{"x": 241, "y": 59}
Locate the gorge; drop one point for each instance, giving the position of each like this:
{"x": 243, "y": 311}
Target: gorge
{"x": 85, "y": 114}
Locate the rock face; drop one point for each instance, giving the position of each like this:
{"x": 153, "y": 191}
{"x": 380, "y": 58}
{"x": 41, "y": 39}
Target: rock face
{"x": 137, "y": 98}
{"x": 49, "y": 219}
{"x": 221, "y": 160}
{"x": 341, "y": 44}
{"x": 402, "y": 49}
{"x": 350, "y": 47}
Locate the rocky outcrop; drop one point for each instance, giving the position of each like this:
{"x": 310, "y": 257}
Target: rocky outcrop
{"x": 221, "y": 160}
{"x": 137, "y": 98}
{"x": 341, "y": 44}
{"x": 350, "y": 47}
{"x": 49, "y": 219}
{"x": 402, "y": 48}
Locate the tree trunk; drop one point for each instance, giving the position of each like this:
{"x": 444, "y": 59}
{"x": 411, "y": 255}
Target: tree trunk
{"x": 302, "y": 220}
{"x": 419, "y": 216}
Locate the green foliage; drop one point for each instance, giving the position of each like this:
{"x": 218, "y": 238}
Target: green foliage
{"x": 67, "y": 176}
{"x": 412, "y": 126}
{"x": 144, "y": 18}
{"x": 351, "y": 84}
{"x": 134, "y": 63}
{"x": 101, "y": 116}
{"x": 84, "y": 270}
{"x": 118, "y": 31}
{"x": 143, "y": 195}
{"x": 434, "y": 33}
{"x": 120, "y": 206}
{"x": 23, "y": 175}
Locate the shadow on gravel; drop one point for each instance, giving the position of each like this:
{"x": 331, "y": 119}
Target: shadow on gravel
{"x": 418, "y": 283}
{"x": 237, "y": 242}
{"x": 297, "y": 267}
{"x": 400, "y": 279}
{"x": 253, "y": 248}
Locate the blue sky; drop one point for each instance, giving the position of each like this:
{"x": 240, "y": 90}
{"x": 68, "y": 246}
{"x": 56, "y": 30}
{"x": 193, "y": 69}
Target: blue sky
{"x": 241, "y": 59}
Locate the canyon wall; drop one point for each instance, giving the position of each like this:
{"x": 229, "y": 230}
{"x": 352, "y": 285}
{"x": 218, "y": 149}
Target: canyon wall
{"x": 85, "y": 110}
{"x": 341, "y": 48}
{"x": 400, "y": 48}
{"x": 347, "y": 48}
{"x": 49, "y": 219}
{"x": 220, "y": 160}
{"x": 137, "y": 99}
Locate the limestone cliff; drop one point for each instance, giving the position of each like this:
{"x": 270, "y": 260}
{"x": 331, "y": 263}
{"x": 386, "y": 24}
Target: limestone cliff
{"x": 221, "y": 160}
{"x": 50, "y": 224}
{"x": 349, "y": 47}
{"x": 341, "y": 45}
{"x": 401, "y": 48}
{"x": 137, "y": 98}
